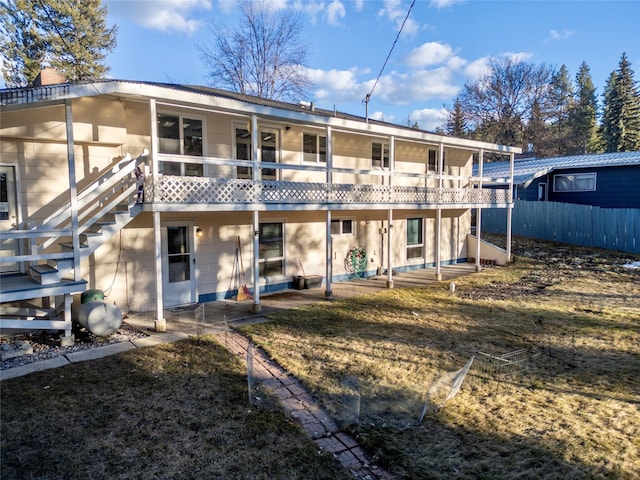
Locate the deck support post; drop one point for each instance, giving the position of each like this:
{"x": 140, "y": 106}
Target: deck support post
{"x": 479, "y": 211}
{"x": 389, "y": 249}
{"x": 510, "y": 206}
{"x": 256, "y": 307}
{"x": 328, "y": 294}
{"x": 67, "y": 339}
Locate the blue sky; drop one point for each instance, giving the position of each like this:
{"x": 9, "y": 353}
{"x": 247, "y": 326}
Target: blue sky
{"x": 444, "y": 44}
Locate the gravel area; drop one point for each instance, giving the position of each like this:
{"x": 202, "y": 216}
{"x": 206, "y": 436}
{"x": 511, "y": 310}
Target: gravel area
{"x": 46, "y": 345}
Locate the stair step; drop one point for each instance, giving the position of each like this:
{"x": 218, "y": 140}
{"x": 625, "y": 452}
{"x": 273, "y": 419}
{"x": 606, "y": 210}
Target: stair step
{"x": 45, "y": 274}
{"x": 69, "y": 246}
{"x": 122, "y": 208}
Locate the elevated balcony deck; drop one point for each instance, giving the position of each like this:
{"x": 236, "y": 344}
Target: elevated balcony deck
{"x": 174, "y": 193}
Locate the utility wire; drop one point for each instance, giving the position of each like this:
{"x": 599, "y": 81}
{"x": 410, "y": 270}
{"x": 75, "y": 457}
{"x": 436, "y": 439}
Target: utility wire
{"x": 368, "y": 96}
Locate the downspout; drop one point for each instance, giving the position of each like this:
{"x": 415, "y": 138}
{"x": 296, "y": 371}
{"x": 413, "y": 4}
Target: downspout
{"x": 160, "y": 323}
{"x": 328, "y": 294}
{"x": 479, "y": 210}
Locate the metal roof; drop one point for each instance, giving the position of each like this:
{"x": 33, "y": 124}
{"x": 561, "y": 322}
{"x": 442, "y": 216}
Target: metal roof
{"x": 527, "y": 170}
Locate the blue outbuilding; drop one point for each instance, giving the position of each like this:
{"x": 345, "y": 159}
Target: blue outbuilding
{"x": 607, "y": 180}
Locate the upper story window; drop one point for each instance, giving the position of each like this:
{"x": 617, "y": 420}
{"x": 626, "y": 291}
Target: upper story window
{"x": 379, "y": 155}
{"x": 268, "y": 149}
{"x": 433, "y": 165}
{"x": 314, "y": 148}
{"x": 179, "y": 135}
{"x": 576, "y": 182}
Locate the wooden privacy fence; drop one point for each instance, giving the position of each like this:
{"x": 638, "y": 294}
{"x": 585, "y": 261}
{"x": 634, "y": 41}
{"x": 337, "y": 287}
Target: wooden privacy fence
{"x": 584, "y": 225}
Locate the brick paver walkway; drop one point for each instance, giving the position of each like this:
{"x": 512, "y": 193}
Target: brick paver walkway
{"x": 300, "y": 406}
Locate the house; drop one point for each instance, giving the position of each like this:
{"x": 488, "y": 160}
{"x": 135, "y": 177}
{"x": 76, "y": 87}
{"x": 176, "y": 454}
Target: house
{"x": 607, "y": 180}
{"x": 163, "y": 195}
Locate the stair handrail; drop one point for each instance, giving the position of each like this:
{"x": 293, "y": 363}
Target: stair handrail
{"x": 125, "y": 167}
{"x": 88, "y": 196}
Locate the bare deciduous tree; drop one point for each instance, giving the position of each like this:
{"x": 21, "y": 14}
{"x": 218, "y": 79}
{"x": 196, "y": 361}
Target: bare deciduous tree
{"x": 265, "y": 56}
{"x": 497, "y": 105}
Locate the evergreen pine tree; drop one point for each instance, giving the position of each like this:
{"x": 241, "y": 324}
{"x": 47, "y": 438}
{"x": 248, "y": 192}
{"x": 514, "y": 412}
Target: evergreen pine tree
{"x": 22, "y": 44}
{"x": 621, "y": 119}
{"x": 72, "y": 37}
{"x": 456, "y": 122}
{"x": 584, "y": 114}
{"x": 561, "y": 104}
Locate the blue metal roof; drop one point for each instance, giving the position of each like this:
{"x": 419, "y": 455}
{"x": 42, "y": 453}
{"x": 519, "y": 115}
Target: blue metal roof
{"x": 528, "y": 169}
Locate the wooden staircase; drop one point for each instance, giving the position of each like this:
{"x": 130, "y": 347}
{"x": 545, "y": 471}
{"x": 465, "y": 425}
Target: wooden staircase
{"x": 51, "y": 268}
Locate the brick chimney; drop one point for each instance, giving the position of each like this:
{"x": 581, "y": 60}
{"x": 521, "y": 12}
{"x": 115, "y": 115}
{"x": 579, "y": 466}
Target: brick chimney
{"x": 49, "y": 76}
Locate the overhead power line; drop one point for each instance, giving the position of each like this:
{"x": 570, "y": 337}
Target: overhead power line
{"x": 368, "y": 96}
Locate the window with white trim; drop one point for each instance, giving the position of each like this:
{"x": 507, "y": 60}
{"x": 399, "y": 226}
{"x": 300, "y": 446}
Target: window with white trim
{"x": 271, "y": 249}
{"x": 379, "y": 155}
{"x": 314, "y": 148}
{"x": 180, "y": 135}
{"x": 575, "y": 182}
{"x": 267, "y": 151}
{"x": 433, "y": 165}
{"x": 243, "y": 151}
{"x": 415, "y": 243}
{"x": 342, "y": 227}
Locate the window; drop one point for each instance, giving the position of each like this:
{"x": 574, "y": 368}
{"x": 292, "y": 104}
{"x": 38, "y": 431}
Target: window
{"x": 179, "y": 135}
{"x": 268, "y": 152}
{"x": 414, "y": 238}
{"x": 577, "y": 182}
{"x": 342, "y": 227}
{"x": 433, "y": 165}
{"x": 379, "y": 155}
{"x": 271, "y": 249}
{"x": 314, "y": 148}
{"x": 243, "y": 151}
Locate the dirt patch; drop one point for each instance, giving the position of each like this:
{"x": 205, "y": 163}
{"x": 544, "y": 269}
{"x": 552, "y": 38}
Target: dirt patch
{"x": 554, "y": 264}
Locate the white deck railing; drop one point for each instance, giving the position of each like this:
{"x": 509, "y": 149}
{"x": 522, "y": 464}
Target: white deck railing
{"x": 205, "y": 190}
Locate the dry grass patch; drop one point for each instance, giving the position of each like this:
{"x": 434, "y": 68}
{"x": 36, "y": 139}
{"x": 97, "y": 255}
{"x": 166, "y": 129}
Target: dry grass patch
{"x": 177, "y": 411}
{"x": 573, "y": 414}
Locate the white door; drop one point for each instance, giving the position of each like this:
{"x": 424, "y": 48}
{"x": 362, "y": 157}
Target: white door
{"x": 178, "y": 264}
{"x": 8, "y": 216}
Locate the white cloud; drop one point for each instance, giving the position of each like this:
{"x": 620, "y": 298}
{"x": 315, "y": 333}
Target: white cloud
{"x": 443, "y": 3}
{"x": 335, "y": 12}
{"x": 429, "y": 118}
{"x": 517, "y": 57}
{"x": 396, "y": 12}
{"x": 164, "y": 15}
{"x": 477, "y": 68}
{"x": 359, "y": 5}
{"x": 554, "y": 35}
{"x": 310, "y": 8}
{"x": 337, "y": 85}
{"x": 430, "y": 53}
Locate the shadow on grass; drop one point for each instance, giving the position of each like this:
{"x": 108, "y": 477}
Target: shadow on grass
{"x": 176, "y": 411}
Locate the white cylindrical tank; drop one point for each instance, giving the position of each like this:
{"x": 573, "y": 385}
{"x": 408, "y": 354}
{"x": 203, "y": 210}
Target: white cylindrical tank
{"x": 100, "y": 318}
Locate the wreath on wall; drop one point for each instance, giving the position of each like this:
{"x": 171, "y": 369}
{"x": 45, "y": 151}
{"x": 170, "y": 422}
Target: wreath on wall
{"x": 355, "y": 261}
